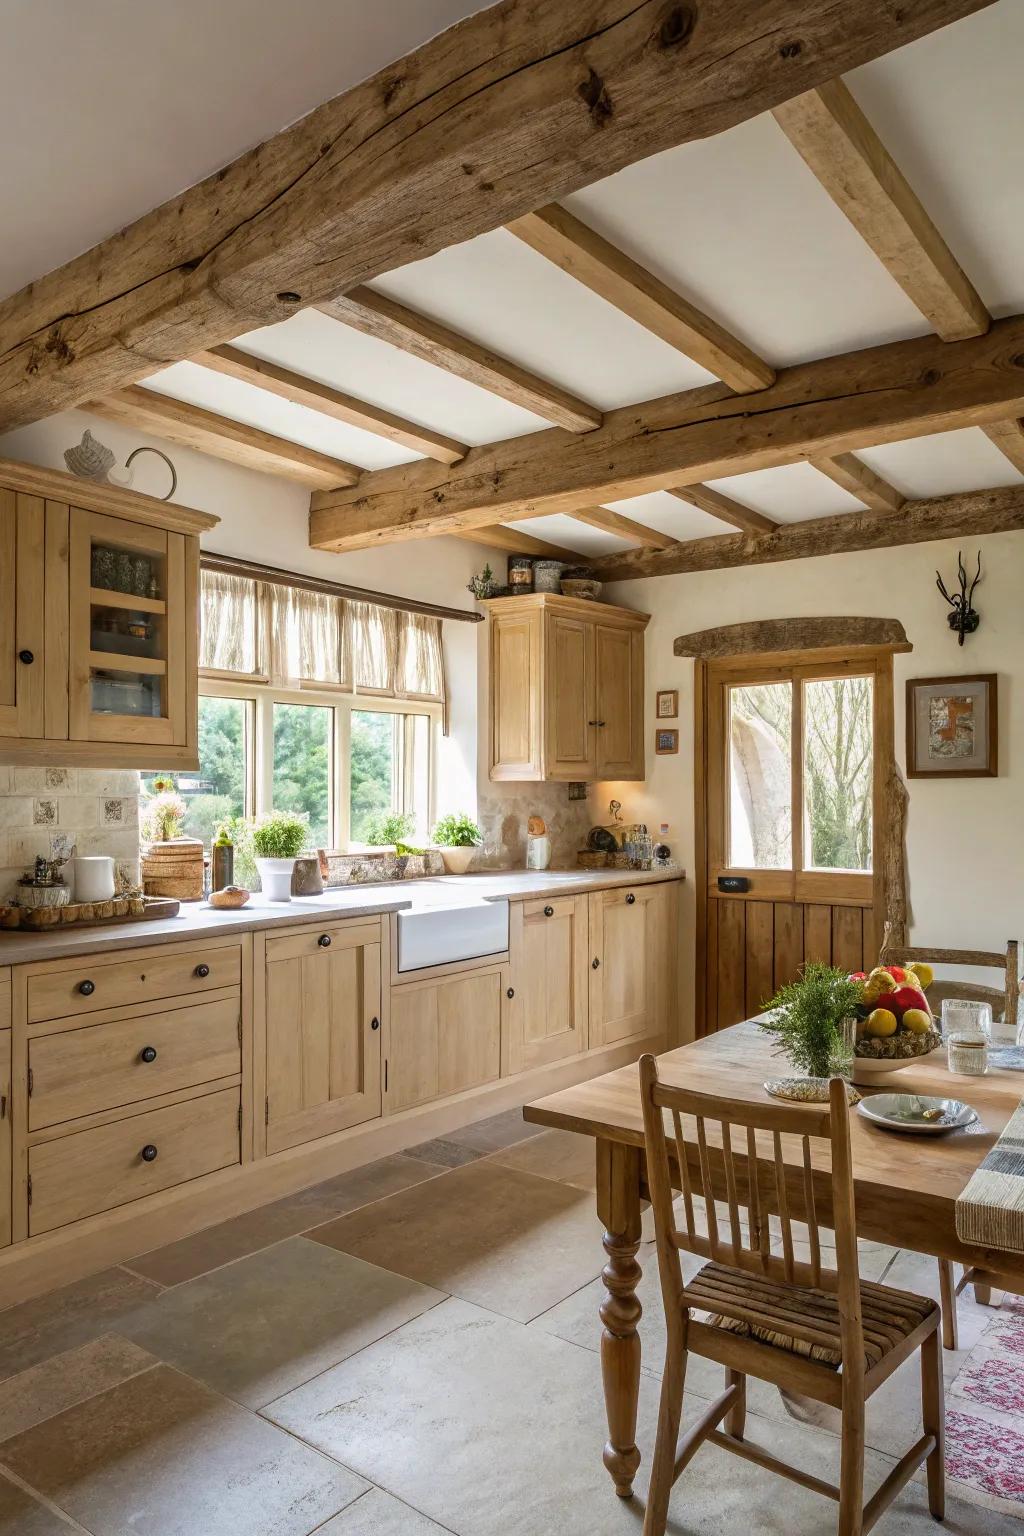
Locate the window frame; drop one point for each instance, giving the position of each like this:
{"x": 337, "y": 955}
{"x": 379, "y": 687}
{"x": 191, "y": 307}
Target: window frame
{"x": 259, "y": 767}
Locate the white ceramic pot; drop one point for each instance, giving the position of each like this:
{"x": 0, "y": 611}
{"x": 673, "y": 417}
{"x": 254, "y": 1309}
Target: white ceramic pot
{"x": 457, "y": 860}
{"x": 94, "y": 878}
{"x": 276, "y": 878}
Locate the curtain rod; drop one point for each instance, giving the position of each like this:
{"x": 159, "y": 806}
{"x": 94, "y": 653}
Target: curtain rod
{"x": 230, "y": 565}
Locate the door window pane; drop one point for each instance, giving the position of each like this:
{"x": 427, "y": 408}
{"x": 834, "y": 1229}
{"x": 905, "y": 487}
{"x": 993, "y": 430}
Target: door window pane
{"x": 760, "y": 776}
{"x": 837, "y": 773}
{"x": 374, "y": 770}
{"x": 218, "y": 789}
{"x": 303, "y": 735}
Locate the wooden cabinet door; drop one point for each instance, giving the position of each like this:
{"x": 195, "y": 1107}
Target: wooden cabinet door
{"x": 631, "y": 943}
{"x": 569, "y": 698}
{"x": 444, "y": 1036}
{"x": 322, "y": 1019}
{"x": 22, "y": 565}
{"x": 5, "y": 1137}
{"x": 130, "y": 611}
{"x": 550, "y": 968}
{"x": 619, "y": 671}
{"x": 516, "y": 697}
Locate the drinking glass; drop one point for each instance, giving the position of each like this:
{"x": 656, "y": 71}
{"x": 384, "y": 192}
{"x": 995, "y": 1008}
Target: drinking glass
{"x": 962, "y": 1016}
{"x": 967, "y": 1052}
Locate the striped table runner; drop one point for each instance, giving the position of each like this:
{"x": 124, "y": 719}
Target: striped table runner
{"x": 990, "y": 1212}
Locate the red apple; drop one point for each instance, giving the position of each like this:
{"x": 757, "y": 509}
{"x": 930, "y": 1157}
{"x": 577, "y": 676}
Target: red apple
{"x": 858, "y": 975}
{"x": 902, "y": 999}
{"x": 897, "y": 973}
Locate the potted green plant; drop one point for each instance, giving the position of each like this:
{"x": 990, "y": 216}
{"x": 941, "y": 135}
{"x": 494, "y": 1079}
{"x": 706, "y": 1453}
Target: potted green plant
{"x": 457, "y": 837}
{"x": 386, "y": 829}
{"x": 277, "y": 841}
{"x": 813, "y": 1022}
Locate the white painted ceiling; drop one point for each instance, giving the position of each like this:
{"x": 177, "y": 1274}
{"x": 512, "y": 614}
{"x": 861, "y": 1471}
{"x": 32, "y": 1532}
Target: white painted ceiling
{"x": 141, "y": 101}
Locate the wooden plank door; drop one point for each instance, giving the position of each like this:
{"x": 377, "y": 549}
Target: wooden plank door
{"x": 22, "y": 565}
{"x": 619, "y": 674}
{"x": 550, "y": 966}
{"x": 569, "y": 707}
{"x": 516, "y": 746}
{"x": 322, "y": 1024}
{"x": 444, "y": 1036}
{"x": 626, "y": 994}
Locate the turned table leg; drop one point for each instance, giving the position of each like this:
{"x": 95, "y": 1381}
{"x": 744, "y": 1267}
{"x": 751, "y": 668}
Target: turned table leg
{"x": 618, "y": 1207}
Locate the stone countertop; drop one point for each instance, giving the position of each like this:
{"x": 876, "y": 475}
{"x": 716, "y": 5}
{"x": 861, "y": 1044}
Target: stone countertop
{"x": 197, "y": 921}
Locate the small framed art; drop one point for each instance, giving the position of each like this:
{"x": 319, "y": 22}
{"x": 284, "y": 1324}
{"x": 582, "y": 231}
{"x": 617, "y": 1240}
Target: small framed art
{"x": 952, "y": 727}
{"x": 666, "y": 741}
{"x": 666, "y": 705}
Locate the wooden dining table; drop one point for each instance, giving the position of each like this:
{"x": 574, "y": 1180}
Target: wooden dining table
{"x": 906, "y": 1186}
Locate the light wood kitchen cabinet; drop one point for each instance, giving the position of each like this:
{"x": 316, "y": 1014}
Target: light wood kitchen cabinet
{"x": 567, "y": 689}
{"x": 444, "y": 1036}
{"x": 550, "y": 963}
{"x": 631, "y": 963}
{"x": 5, "y": 1133}
{"x": 319, "y": 1023}
{"x": 99, "y": 605}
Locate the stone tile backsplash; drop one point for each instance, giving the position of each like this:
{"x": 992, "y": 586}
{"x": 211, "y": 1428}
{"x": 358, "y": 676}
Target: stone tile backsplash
{"x": 98, "y": 808}
{"x": 503, "y": 811}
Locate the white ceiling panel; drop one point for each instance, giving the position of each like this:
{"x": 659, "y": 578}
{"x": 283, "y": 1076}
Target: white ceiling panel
{"x": 790, "y": 494}
{"x": 670, "y": 515}
{"x": 943, "y": 464}
{"x": 566, "y": 531}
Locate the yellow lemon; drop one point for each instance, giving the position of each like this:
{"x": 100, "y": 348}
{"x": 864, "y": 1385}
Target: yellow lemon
{"x": 923, "y": 971}
{"x": 881, "y": 1023}
{"x": 916, "y": 1020}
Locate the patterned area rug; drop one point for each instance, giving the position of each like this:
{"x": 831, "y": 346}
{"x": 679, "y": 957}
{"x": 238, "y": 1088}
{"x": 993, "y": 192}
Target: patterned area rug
{"x": 985, "y": 1415}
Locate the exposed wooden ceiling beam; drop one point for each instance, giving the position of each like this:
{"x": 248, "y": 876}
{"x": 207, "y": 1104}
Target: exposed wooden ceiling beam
{"x": 1008, "y": 437}
{"x": 942, "y": 517}
{"x": 845, "y": 153}
{"x": 178, "y": 422}
{"x": 373, "y": 313}
{"x": 514, "y": 107}
{"x": 819, "y": 409}
{"x": 516, "y": 543}
{"x": 610, "y": 521}
{"x": 853, "y": 475}
{"x": 300, "y": 390}
{"x": 585, "y": 255}
{"x": 723, "y": 507}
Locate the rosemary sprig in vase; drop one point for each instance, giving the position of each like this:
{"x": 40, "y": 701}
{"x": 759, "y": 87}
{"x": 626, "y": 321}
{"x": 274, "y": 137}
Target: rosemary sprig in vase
{"x": 806, "y": 1019}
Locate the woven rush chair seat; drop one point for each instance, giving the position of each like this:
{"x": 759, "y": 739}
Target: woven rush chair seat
{"x": 800, "y": 1320}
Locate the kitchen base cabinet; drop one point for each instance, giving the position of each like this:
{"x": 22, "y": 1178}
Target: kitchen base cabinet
{"x": 632, "y": 934}
{"x": 550, "y": 969}
{"x": 444, "y": 1036}
{"x": 320, "y": 1027}
{"x": 5, "y": 1134}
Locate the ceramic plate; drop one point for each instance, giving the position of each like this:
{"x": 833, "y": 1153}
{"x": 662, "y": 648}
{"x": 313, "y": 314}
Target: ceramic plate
{"x": 914, "y": 1112}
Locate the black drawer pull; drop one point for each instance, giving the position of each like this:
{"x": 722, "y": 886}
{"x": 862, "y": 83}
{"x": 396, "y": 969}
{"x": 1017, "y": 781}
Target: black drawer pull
{"x": 324, "y": 941}
{"x": 511, "y": 992}
{"x": 148, "y": 1053}
{"x": 594, "y": 963}
{"x": 630, "y": 899}
{"x": 374, "y": 1023}
{"x": 149, "y": 1154}
{"x": 87, "y": 988}
{"x": 549, "y": 911}
{"x": 202, "y": 971}
{"x": 26, "y": 657}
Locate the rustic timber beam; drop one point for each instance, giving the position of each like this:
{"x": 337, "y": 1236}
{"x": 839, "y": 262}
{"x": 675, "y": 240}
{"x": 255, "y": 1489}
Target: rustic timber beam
{"x": 814, "y": 410}
{"x": 514, "y": 107}
{"x": 374, "y": 314}
{"x": 758, "y": 637}
{"x": 1008, "y": 437}
{"x": 581, "y": 252}
{"x": 610, "y": 521}
{"x": 967, "y": 515}
{"x": 300, "y": 390}
{"x": 723, "y": 507}
{"x": 840, "y": 146}
{"x": 178, "y": 422}
{"x": 514, "y": 542}
{"x": 853, "y": 475}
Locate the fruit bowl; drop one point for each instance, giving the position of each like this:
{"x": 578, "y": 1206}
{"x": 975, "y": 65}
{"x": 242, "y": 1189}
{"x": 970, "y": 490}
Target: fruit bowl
{"x": 871, "y": 1060}
{"x": 895, "y": 1024}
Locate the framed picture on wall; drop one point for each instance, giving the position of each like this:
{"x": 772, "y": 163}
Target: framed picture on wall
{"x": 666, "y": 741}
{"x": 952, "y": 727}
{"x": 666, "y": 705}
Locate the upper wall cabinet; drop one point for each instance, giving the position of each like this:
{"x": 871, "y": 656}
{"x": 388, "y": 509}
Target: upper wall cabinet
{"x": 567, "y": 689}
{"x": 99, "y": 623}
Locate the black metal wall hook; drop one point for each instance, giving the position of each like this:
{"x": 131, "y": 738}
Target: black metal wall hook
{"x": 963, "y": 619}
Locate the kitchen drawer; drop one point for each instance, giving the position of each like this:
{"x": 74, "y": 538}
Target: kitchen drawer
{"x": 95, "y": 1170}
{"x": 309, "y": 942}
{"x": 120, "y": 1061}
{"x": 142, "y": 977}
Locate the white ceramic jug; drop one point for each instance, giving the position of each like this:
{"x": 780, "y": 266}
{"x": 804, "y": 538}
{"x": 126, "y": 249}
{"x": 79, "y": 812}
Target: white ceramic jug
{"x": 94, "y": 878}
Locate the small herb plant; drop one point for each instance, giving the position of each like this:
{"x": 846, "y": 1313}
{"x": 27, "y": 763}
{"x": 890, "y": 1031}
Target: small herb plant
{"x": 280, "y": 835}
{"x": 457, "y": 831}
{"x": 805, "y": 1018}
{"x": 385, "y": 828}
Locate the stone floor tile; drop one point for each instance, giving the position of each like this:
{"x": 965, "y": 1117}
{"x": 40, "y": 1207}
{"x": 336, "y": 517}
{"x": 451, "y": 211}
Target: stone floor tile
{"x": 53, "y": 1385}
{"x": 560, "y": 1155}
{"x": 920, "y": 1272}
{"x": 259, "y": 1327}
{"x": 378, "y": 1514}
{"x": 161, "y": 1455}
{"x": 505, "y": 1240}
{"x": 444, "y": 1151}
{"x": 495, "y": 1133}
{"x": 35, "y": 1330}
{"x": 22, "y": 1515}
{"x": 268, "y": 1224}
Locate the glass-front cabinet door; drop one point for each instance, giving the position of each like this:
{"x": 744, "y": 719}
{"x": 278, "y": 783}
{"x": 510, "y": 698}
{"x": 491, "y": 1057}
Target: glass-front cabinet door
{"x": 128, "y": 636}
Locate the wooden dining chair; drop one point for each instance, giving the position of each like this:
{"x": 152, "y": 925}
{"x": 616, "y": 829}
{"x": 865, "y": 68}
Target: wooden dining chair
{"x": 1005, "y": 1004}
{"x": 794, "y": 1322}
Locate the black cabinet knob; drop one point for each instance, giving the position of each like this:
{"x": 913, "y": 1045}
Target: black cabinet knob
{"x": 511, "y": 992}
{"x": 374, "y": 1023}
{"x": 149, "y": 1154}
{"x": 549, "y": 911}
{"x": 148, "y": 1053}
{"x": 630, "y": 899}
{"x": 324, "y": 941}
{"x": 87, "y": 988}
{"x": 594, "y": 963}
{"x": 27, "y": 657}
{"x": 202, "y": 971}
